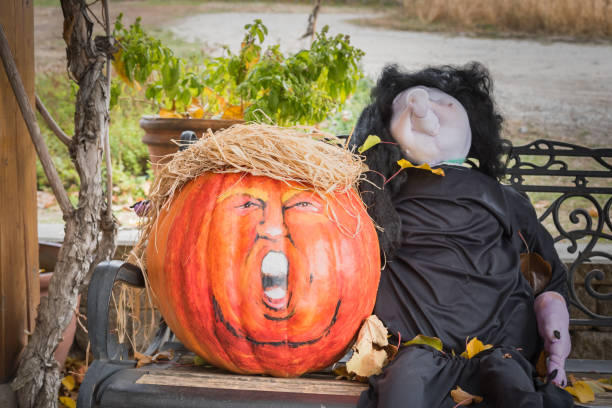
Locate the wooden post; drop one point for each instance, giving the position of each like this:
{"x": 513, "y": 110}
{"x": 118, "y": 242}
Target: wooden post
{"x": 19, "y": 288}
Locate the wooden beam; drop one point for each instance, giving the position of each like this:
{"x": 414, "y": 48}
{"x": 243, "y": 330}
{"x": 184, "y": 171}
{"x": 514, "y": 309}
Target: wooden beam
{"x": 12, "y": 73}
{"x": 19, "y": 289}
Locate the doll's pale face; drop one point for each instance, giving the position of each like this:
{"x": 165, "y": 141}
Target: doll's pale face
{"x": 430, "y": 126}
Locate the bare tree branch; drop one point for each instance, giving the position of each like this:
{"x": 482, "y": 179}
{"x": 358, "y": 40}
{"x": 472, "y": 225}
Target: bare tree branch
{"x": 312, "y": 21}
{"x": 30, "y": 119}
{"x": 107, "y": 154}
{"x": 63, "y": 137}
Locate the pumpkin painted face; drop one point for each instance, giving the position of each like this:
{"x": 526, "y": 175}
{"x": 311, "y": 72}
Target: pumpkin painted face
{"x": 277, "y": 265}
{"x": 257, "y": 276}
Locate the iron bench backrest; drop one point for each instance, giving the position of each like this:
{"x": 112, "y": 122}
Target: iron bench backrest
{"x": 569, "y": 173}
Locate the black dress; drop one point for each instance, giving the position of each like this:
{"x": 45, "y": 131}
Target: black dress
{"x": 457, "y": 275}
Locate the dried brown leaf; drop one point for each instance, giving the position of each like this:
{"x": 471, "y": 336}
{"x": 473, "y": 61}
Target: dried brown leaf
{"x": 462, "y": 397}
{"x": 391, "y": 351}
{"x": 369, "y": 354}
{"x": 165, "y": 355}
{"x": 541, "y": 365}
{"x": 142, "y": 359}
{"x": 536, "y": 270}
{"x": 373, "y": 331}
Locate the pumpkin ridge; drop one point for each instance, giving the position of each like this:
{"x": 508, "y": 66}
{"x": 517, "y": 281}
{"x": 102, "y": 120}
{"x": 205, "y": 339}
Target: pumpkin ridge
{"x": 210, "y": 245}
{"x": 193, "y": 217}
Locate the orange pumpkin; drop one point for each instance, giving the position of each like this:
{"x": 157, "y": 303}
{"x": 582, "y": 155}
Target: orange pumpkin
{"x": 260, "y": 276}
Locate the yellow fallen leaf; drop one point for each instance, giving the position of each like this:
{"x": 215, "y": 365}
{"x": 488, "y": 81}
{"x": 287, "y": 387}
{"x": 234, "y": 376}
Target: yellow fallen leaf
{"x": 474, "y": 347}
{"x": 462, "y": 397}
{"x": 581, "y": 391}
{"x": 605, "y": 386}
{"x": 68, "y": 382}
{"x": 404, "y": 164}
{"x": 371, "y": 141}
{"x": 595, "y": 386}
{"x": 199, "y": 361}
{"x": 67, "y": 401}
{"x": 434, "y": 342}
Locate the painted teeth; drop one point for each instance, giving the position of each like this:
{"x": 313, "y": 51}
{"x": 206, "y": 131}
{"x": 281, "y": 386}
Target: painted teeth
{"x": 274, "y": 271}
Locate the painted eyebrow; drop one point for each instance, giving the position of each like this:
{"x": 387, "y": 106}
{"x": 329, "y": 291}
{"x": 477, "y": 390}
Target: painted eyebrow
{"x": 236, "y": 192}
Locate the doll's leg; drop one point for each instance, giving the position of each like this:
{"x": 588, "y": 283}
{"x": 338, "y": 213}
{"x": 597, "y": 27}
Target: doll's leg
{"x": 417, "y": 378}
{"x": 506, "y": 380}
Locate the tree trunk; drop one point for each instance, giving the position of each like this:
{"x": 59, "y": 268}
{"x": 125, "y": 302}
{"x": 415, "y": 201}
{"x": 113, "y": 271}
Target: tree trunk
{"x": 88, "y": 238}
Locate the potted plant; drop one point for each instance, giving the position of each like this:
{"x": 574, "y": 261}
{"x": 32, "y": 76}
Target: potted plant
{"x": 255, "y": 84}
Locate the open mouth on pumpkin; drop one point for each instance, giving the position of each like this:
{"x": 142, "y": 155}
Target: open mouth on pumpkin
{"x": 274, "y": 280}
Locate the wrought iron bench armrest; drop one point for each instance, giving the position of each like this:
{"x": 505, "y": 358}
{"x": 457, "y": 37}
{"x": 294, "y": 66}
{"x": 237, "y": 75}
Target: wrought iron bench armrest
{"x": 104, "y": 343}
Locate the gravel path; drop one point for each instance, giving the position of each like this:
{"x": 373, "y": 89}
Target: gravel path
{"x": 563, "y": 90}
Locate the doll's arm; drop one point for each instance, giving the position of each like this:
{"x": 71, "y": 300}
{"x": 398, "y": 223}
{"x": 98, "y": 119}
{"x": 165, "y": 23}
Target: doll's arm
{"x": 553, "y": 324}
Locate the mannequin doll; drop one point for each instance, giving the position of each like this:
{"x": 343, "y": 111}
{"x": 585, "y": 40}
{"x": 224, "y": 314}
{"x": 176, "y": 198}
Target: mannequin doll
{"x": 452, "y": 241}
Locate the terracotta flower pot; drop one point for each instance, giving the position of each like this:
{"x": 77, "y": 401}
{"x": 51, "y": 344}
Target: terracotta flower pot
{"x": 160, "y": 133}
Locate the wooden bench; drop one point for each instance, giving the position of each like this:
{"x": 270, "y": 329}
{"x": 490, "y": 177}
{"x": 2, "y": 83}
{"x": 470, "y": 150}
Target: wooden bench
{"x": 584, "y": 230}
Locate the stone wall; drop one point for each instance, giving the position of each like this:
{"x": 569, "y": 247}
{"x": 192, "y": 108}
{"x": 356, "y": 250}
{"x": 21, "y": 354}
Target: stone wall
{"x": 592, "y": 342}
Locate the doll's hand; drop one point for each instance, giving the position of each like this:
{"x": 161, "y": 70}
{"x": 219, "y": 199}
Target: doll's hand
{"x": 556, "y": 371}
{"x": 553, "y": 325}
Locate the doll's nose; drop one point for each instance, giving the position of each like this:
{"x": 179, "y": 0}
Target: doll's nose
{"x": 418, "y": 100}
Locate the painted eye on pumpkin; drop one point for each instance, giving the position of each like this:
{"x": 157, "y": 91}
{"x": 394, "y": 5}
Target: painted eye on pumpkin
{"x": 304, "y": 206}
{"x": 250, "y": 204}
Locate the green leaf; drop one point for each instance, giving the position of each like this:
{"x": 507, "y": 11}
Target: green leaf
{"x": 434, "y": 342}
{"x": 185, "y": 97}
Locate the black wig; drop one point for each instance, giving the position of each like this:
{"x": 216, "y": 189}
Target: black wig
{"x": 471, "y": 86}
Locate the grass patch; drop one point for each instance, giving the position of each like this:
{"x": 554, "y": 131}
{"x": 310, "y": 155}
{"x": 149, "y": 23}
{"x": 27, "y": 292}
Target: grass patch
{"x": 342, "y": 121}
{"x": 129, "y": 154}
{"x": 560, "y": 19}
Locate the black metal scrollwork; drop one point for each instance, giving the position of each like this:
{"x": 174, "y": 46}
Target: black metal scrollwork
{"x": 588, "y": 231}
